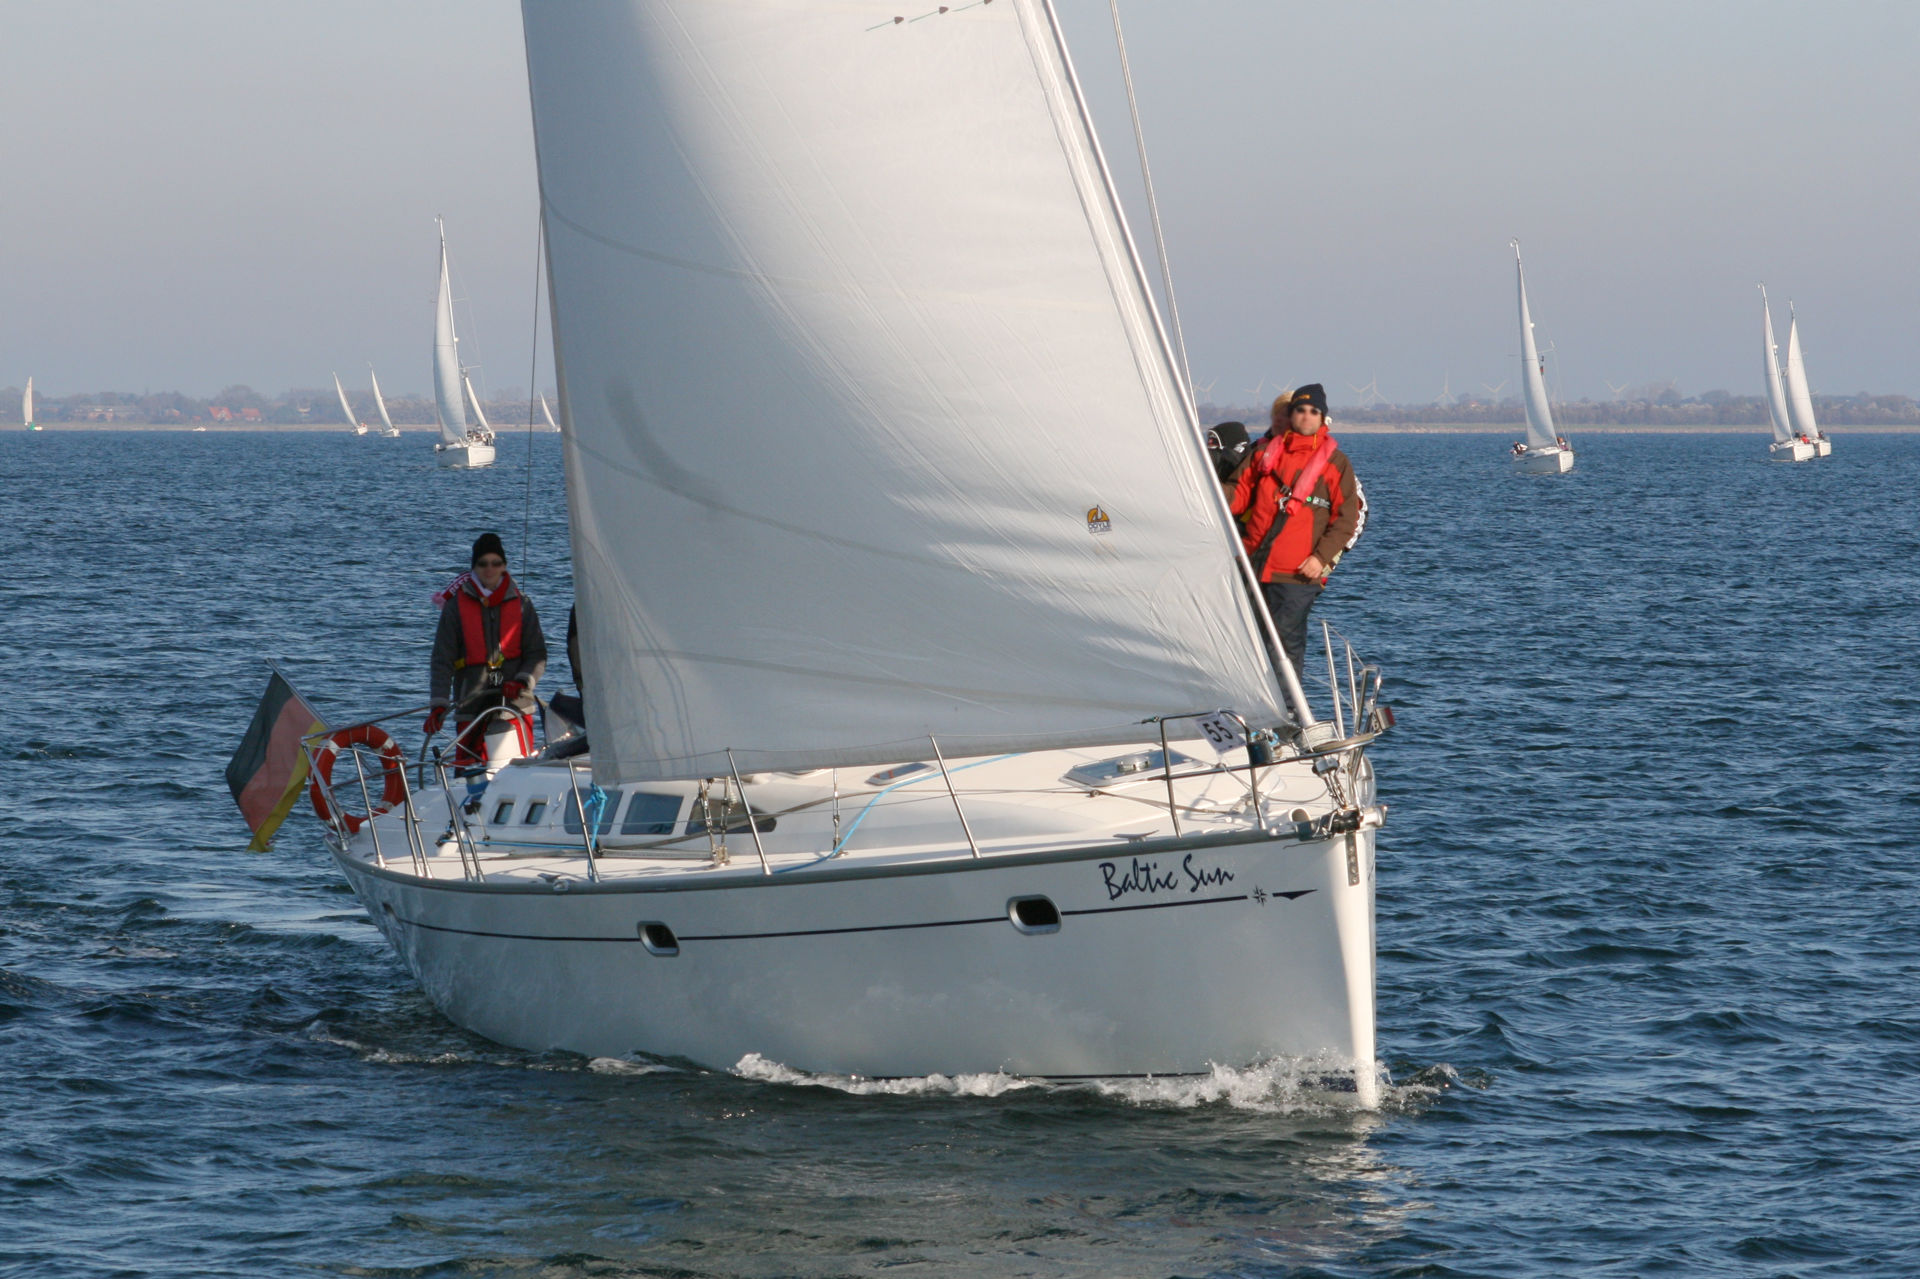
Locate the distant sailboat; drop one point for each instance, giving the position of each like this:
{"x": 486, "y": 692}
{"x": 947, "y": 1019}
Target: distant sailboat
{"x": 391, "y": 432}
{"x": 1544, "y": 453}
{"x": 354, "y": 424}
{"x": 1799, "y": 399}
{"x": 547, "y": 413}
{"x": 26, "y": 408}
{"x": 1785, "y": 448}
{"x": 459, "y": 447}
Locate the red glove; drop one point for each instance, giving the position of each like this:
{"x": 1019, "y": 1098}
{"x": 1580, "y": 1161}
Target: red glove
{"x": 435, "y": 718}
{"x": 512, "y": 689}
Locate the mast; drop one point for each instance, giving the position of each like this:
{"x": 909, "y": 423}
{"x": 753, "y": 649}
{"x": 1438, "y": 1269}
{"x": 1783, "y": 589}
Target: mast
{"x": 345, "y": 407}
{"x": 379, "y": 402}
{"x": 1532, "y": 376}
{"x": 1799, "y": 398}
{"x": 1776, "y": 396}
{"x": 446, "y": 356}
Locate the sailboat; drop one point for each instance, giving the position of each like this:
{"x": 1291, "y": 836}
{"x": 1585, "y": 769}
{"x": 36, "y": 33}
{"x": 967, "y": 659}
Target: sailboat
{"x": 26, "y": 408}
{"x": 936, "y": 724}
{"x": 459, "y": 447}
{"x": 1543, "y": 452}
{"x": 1785, "y": 447}
{"x": 1799, "y": 399}
{"x": 354, "y": 423}
{"x": 547, "y": 413}
{"x": 390, "y": 431}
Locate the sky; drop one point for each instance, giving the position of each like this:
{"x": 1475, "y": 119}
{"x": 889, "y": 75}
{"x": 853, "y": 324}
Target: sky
{"x": 210, "y": 192}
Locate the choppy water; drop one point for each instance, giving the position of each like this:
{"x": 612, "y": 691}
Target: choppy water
{"x": 1648, "y": 954}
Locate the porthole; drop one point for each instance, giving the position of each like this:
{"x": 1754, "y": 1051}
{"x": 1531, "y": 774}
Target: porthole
{"x": 1033, "y": 915}
{"x": 658, "y": 938}
{"x": 504, "y": 811}
{"x": 536, "y": 812}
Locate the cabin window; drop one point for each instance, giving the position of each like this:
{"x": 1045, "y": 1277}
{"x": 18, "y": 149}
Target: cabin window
{"x": 734, "y": 821}
{"x": 536, "y": 812}
{"x": 503, "y": 812}
{"x": 570, "y": 812}
{"x": 650, "y": 814}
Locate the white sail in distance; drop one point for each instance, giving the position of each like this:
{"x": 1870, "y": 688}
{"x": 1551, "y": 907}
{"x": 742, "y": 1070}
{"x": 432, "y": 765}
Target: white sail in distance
{"x": 379, "y": 401}
{"x": 1539, "y": 419}
{"x": 1799, "y": 398}
{"x": 846, "y": 316}
{"x": 446, "y": 359}
{"x": 486, "y": 427}
{"x": 547, "y": 413}
{"x": 26, "y": 405}
{"x": 1776, "y": 397}
{"x": 345, "y": 406}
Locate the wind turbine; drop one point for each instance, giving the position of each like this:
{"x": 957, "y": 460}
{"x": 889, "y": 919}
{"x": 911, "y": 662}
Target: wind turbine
{"x": 1446, "y": 389}
{"x": 1204, "y": 392}
{"x": 1616, "y": 390}
{"x": 1494, "y": 391}
{"x": 1369, "y": 392}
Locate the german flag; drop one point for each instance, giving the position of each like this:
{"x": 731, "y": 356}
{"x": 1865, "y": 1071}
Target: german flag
{"x": 267, "y": 772}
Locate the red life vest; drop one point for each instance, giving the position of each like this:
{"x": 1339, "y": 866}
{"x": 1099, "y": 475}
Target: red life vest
{"x": 1296, "y": 497}
{"x": 473, "y": 630}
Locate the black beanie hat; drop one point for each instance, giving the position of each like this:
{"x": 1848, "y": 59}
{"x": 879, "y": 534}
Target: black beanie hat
{"x": 485, "y": 543}
{"x": 1312, "y": 393}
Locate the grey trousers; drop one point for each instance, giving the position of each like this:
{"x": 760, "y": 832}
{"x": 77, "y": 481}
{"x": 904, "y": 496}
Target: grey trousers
{"x": 1290, "y": 602}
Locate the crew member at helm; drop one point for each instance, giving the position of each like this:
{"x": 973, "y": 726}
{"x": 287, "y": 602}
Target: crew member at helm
{"x": 1302, "y": 508}
{"x": 487, "y": 652}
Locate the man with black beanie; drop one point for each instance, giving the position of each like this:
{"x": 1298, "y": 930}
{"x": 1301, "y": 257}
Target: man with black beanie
{"x": 487, "y": 652}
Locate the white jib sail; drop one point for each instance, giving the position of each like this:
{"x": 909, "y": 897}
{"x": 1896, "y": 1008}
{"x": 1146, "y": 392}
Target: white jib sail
{"x": 1532, "y": 378}
{"x": 379, "y": 401}
{"x": 486, "y": 427}
{"x": 26, "y": 405}
{"x": 547, "y": 413}
{"x": 871, "y": 432}
{"x": 446, "y": 359}
{"x": 1776, "y": 397}
{"x": 345, "y": 407}
{"x": 1799, "y": 398}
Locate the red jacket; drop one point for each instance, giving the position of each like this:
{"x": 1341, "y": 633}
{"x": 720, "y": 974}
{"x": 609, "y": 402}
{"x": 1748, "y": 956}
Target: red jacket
{"x": 1337, "y": 505}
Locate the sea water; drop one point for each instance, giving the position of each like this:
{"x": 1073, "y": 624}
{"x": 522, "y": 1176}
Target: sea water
{"x": 1648, "y": 957}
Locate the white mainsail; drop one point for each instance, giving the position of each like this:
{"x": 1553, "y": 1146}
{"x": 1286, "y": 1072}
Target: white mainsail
{"x": 486, "y": 427}
{"x": 1799, "y": 399}
{"x": 379, "y": 401}
{"x": 1776, "y": 397}
{"x": 26, "y": 406}
{"x": 345, "y": 406}
{"x": 547, "y": 413}
{"x": 1532, "y": 376}
{"x": 446, "y": 358}
{"x": 872, "y": 431}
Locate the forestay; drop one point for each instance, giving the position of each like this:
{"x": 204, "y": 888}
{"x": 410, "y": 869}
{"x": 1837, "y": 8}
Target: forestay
{"x": 446, "y": 360}
{"x": 871, "y": 431}
{"x": 1539, "y": 420}
{"x": 1776, "y": 398}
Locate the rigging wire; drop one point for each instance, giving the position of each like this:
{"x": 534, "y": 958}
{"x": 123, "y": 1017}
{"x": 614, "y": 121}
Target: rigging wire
{"x": 1153, "y": 205}
{"x": 533, "y": 382}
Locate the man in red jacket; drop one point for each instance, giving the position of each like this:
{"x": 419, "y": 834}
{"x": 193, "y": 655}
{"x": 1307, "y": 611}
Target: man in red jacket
{"x": 1301, "y": 508}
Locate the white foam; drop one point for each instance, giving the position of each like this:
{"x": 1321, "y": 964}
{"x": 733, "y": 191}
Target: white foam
{"x": 1282, "y": 1085}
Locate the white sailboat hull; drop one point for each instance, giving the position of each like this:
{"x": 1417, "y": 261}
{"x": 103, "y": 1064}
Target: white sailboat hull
{"x": 1791, "y": 451}
{"x": 1223, "y": 944}
{"x": 915, "y": 974}
{"x": 466, "y": 457}
{"x": 1823, "y": 447}
{"x": 1547, "y": 461}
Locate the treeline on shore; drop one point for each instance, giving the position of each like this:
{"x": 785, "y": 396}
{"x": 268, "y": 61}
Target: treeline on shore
{"x": 298, "y": 407}
{"x": 1669, "y": 408}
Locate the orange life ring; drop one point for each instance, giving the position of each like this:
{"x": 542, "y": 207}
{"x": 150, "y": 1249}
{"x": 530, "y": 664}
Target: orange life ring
{"x": 393, "y": 765}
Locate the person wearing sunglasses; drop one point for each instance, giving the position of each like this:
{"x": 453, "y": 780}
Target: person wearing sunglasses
{"x": 487, "y": 652}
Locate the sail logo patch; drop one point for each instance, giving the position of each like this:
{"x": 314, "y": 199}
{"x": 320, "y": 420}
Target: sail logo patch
{"x": 1098, "y": 521}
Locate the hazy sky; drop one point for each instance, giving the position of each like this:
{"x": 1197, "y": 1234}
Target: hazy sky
{"x": 212, "y": 191}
